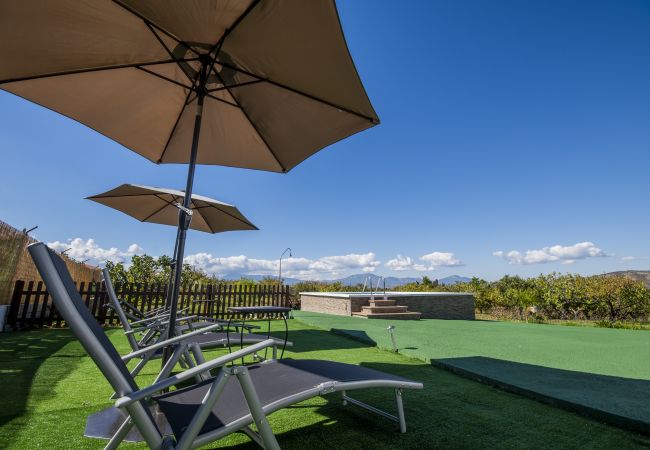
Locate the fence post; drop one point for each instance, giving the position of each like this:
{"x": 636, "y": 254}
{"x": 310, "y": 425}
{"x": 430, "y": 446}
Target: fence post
{"x": 208, "y": 306}
{"x": 15, "y": 303}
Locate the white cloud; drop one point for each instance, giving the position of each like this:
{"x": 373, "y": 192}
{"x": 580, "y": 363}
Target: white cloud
{"x": 321, "y": 268}
{"x": 88, "y": 249}
{"x": 400, "y": 263}
{"x": 557, "y": 253}
{"x": 634, "y": 258}
{"x": 432, "y": 262}
{"x": 440, "y": 259}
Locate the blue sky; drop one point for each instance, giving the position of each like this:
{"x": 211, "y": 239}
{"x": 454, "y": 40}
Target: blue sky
{"x": 506, "y": 126}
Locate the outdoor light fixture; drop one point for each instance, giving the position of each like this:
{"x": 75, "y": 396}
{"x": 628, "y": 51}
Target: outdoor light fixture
{"x": 391, "y": 331}
{"x": 26, "y": 231}
{"x": 288, "y": 249}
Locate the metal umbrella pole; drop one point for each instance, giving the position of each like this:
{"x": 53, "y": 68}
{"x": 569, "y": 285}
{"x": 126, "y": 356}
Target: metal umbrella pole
{"x": 184, "y": 212}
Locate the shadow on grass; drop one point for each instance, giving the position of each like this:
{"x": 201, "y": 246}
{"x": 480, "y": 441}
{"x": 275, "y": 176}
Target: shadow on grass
{"x": 622, "y": 402}
{"x": 317, "y": 340}
{"x": 21, "y": 355}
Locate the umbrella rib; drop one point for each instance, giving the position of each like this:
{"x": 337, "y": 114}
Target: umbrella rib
{"x": 158, "y": 27}
{"x": 95, "y": 69}
{"x": 235, "y": 85}
{"x": 223, "y": 101}
{"x": 296, "y": 91}
{"x": 284, "y": 169}
{"x": 169, "y": 52}
{"x": 156, "y": 211}
{"x": 236, "y": 23}
{"x": 211, "y": 205}
{"x": 204, "y": 219}
{"x": 178, "y": 119}
{"x": 216, "y": 48}
{"x": 234, "y": 217}
{"x": 164, "y": 78}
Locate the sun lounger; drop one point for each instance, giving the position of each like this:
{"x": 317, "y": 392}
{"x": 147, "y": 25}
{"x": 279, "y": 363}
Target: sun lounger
{"x": 152, "y": 326}
{"x": 233, "y": 400}
{"x": 134, "y": 314}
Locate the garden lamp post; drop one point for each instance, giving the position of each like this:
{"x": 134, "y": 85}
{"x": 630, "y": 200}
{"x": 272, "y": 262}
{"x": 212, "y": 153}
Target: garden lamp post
{"x": 288, "y": 249}
{"x": 391, "y": 331}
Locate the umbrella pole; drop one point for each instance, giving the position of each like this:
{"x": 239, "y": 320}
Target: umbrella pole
{"x": 184, "y": 214}
{"x": 172, "y": 272}
{"x": 184, "y": 220}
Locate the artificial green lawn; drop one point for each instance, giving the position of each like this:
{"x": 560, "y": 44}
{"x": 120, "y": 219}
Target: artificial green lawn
{"x": 49, "y": 385}
{"x": 603, "y": 369}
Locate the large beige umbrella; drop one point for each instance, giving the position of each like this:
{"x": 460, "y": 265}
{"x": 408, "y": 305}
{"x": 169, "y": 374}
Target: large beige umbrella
{"x": 160, "y": 205}
{"x": 271, "y": 81}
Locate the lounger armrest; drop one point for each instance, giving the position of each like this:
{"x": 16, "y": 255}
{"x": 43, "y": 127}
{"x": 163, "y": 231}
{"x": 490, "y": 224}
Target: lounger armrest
{"x": 150, "y": 319}
{"x": 190, "y": 373}
{"x": 156, "y": 317}
{"x": 154, "y": 311}
{"x": 167, "y": 342}
{"x": 157, "y": 323}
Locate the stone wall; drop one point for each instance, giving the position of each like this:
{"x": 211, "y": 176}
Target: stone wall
{"x": 453, "y": 306}
{"x": 327, "y": 305}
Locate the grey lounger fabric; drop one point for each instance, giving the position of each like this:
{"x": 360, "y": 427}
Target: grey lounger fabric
{"x": 274, "y": 382}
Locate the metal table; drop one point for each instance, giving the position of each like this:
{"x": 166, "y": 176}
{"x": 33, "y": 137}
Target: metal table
{"x": 247, "y": 311}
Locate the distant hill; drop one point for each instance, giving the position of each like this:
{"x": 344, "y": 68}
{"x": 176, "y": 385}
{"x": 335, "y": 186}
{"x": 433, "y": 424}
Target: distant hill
{"x": 238, "y": 276}
{"x": 454, "y": 279}
{"x": 638, "y": 275}
{"x": 359, "y": 278}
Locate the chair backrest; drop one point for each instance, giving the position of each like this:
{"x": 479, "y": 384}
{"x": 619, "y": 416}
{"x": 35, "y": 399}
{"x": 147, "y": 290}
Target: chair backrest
{"x": 77, "y": 316}
{"x": 68, "y": 302}
{"x": 115, "y": 303}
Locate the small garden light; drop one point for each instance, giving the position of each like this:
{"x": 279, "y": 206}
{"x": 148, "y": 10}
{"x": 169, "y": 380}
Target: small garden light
{"x": 391, "y": 331}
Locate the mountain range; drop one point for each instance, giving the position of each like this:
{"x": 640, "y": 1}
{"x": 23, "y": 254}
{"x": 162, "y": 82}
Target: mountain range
{"x": 360, "y": 278}
{"x": 637, "y": 275}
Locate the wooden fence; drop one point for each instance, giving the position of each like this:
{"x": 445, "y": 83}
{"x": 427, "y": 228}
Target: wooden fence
{"x": 31, "y": 306}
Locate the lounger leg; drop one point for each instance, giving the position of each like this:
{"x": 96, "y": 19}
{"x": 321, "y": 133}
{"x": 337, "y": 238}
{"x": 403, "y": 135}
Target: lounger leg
{"x": 169, "y": 365}
{"x": 198, "y": 357}
{"x": 400, "y": 410}
{"x": 262, "y": 423}
{"x": 204, "y": 411}
{"x": 253, "y": 435}
{"x": 343, "y": 399}
{"x": 138, "y": 367}
{"x": 119, "y": 435}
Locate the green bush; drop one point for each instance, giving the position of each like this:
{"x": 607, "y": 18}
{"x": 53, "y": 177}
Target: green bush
{"x": 555, "y": 297}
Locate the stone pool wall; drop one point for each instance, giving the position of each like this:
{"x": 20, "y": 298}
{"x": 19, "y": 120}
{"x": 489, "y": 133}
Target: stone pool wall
{"x": 434, "y": 305}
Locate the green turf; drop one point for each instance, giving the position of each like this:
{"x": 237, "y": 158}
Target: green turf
{"x": 49, "y": 386}
{"x": 603, "y": 370}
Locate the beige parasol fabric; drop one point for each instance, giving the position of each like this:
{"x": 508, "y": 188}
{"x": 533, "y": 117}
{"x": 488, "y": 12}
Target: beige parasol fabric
{"x": 281, "y": 85}
{"x": 159, "y": 205}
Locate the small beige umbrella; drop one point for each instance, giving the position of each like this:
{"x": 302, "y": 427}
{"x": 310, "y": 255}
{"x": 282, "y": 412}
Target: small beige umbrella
{"x": 160, "y": 205}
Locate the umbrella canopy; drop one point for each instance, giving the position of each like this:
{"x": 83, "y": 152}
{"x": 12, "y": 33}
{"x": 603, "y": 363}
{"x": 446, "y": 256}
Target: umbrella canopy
{"x": 280, "y": 82}
{"x": 160, "y": 205}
